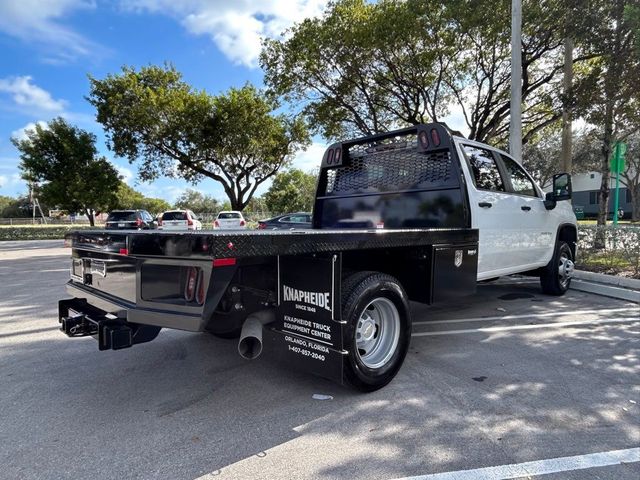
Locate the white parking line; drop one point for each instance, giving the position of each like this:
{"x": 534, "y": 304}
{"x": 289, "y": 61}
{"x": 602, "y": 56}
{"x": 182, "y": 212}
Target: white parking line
{"x": 531, "y": 315}
{"x": 539, "y": 467}
{"x": 528, "y": 327}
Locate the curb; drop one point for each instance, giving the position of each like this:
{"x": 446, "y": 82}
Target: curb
{"x": 624, "y": 282}
{"x": 607, "y": 285}
{"x": 606, "y": 290}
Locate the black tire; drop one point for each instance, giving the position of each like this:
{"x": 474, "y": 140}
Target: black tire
{"x": 551, "y": 280}
{"x": 376, "y": 292}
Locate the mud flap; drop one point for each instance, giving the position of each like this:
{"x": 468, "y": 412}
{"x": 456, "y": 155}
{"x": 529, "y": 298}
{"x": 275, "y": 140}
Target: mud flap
{"x": 307, "y": 332}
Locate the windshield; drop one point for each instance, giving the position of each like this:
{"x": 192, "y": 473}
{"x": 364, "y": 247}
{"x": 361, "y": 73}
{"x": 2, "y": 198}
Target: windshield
{"x": 228, "y": 215}
{"x": 174, "y": 216}
{"x": 122, "y": 217}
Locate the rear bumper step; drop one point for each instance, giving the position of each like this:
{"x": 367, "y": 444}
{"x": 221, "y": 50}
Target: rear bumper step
{"x": 79, "y": 319}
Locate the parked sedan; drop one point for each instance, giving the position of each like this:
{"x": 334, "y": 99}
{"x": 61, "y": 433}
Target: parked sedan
{"x": 130, "y": 220}
{"x": 229, "y": 220}
{"x": 179, "y": 220}
{"x": 288, "y": 221}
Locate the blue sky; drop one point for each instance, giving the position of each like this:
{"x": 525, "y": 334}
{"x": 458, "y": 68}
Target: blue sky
{"x": 49, "y": 46}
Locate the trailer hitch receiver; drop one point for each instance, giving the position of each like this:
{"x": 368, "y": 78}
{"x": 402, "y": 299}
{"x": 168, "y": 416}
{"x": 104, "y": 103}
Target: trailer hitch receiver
{"x": 78, "y": 319}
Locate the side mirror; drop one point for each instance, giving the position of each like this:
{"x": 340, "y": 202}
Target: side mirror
{"x": 561, "y": 190}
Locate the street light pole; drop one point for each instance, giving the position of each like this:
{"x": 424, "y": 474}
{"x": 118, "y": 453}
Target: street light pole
{"x": 515, "y": 124}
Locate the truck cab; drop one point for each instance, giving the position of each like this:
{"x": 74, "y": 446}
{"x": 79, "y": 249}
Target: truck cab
{"x": 519, "y": 226}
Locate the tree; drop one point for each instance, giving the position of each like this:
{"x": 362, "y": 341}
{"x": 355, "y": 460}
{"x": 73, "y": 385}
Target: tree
{"x": 18, "y": 207}
{"x": 155, "y": 205}
{"x": 5, "y": 202}
{"x": 540, "y": 156}
{"x": 611, "y": 101}
{"x": 63, "y": 162}
{"x": 197, "y": 202}
{"x": 128, "y": 198}
{"x": 291, "y": 191}
{"x": 153, "y": 117}
{"x": 368, "y": 67}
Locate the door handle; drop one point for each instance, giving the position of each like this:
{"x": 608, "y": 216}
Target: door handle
{"x": 525, "y": 208}
{"x": 485, "y": 204}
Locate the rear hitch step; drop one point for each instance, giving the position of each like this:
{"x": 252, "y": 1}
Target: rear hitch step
{"x": 112, "y": 333}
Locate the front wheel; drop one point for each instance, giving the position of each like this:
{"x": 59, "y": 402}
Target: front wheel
{"x": 555, "y": 279}
{"x": 377, "y": 331}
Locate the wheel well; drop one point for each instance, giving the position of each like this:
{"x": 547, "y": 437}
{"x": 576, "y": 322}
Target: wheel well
{"x": 569, "y": 234}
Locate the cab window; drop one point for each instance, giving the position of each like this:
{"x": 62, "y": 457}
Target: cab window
{"x": 520, "y": 181}
{"x": 484, "y": 169}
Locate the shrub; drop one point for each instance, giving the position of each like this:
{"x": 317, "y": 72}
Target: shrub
{"x": 609, "y": 249}
{"x": 37, "y": 232}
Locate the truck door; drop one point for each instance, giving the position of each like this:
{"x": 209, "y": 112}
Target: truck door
{"x": 495, "y": 213}
{"x": 535, "y": 220}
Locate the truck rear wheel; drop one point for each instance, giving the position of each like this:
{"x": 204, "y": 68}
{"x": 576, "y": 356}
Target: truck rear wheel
{"x": 377, "y": 331}
{"x": 555, "y": 279}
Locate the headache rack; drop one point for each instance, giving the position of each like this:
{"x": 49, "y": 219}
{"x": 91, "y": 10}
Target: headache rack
{"x": 417, "y": 162}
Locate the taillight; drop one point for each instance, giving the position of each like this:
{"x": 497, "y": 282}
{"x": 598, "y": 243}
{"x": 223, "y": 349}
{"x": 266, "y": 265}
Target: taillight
{"x": 242, "y": 223}
{"x": 139, "y": 222}
{"x": 159, "y": 221}
{"x": 330, "y": 157}
{"x": 338, "y": 158}
{"x": 191, "y": 284}
{"x": 435, "y": 137}
{"x": 189, "y": 222}
{"x": 216, "y": 224}
{"x": 200, "y": 288}
{"x": 262, "y": 226}
{"x": 424, "y": 139}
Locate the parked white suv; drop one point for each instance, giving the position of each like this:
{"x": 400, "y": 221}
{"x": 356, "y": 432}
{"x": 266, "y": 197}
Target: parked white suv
{"x": 179, "y": 220}
{"x": 229, "y": 220}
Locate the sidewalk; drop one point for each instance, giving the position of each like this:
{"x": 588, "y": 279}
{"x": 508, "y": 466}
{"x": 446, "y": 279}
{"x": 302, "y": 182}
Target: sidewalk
{"x": 608, "y": 285}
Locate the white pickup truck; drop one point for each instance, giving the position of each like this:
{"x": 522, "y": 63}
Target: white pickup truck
{"x": 520, "y": 229}
{"x": 411, "y": 215}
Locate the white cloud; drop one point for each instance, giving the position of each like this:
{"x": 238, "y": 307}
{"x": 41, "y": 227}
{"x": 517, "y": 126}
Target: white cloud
{"x": 455, "y": 119}
{"x": 126, "y": 173}
{"x": 38, "y": 23}
{"x": 29, "y": 97}
{"x": 311, "y": 158}
{"x": 10, "y": 181}
{"x": 21, "y": 133}
{"x": 235, "y": 27}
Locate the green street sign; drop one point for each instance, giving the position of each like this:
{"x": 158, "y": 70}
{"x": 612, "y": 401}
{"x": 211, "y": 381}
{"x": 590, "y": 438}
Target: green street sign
{"x": 617, "y": 159}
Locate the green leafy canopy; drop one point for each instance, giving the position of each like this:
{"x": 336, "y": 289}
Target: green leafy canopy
{"x": 152, "y": 117}
{"x": 62, "y": 165}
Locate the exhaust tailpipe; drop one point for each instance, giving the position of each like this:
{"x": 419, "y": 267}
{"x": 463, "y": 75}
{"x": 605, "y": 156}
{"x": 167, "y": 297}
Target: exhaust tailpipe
{"x": 250, "y": 344}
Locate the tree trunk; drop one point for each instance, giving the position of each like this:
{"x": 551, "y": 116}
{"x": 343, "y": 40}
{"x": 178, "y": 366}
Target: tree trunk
{"x": 90, "y": 216}
{"x": 566, "y": 159}
{"x": 603, "y": 209}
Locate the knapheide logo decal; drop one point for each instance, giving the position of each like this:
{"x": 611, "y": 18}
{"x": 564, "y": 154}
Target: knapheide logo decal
{"x": 317, "y": 299}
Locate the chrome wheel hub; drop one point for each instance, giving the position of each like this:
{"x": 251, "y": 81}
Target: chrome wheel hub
{"x": 377, "y": 332}
{"x": 565, "y": 269}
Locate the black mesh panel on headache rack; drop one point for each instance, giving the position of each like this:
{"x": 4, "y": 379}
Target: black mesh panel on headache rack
{"x": 390, "y": 166}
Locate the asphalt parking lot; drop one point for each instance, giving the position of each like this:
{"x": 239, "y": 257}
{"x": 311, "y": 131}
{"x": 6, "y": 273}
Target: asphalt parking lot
{"x": 509, "y": 378}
